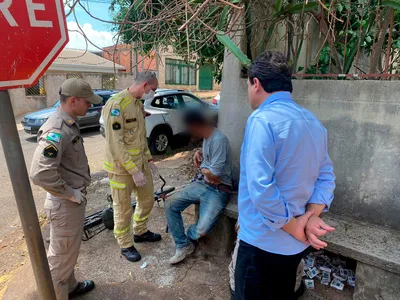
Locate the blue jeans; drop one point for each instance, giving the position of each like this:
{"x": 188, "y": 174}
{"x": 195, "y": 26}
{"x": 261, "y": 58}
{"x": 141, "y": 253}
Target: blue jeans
{"x": 212, "y": 203}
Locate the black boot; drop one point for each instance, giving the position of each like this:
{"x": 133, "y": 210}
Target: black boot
{"x": 131, "y": 254}
{"x": 82, "y": 288}
{"x": 147, "y": 237}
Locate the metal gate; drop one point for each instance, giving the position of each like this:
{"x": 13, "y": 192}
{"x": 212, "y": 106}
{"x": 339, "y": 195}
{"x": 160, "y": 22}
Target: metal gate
{"x": 205, "y": 78}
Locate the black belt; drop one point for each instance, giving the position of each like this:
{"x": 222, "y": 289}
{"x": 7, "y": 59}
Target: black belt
{"x": 220, "y": 187}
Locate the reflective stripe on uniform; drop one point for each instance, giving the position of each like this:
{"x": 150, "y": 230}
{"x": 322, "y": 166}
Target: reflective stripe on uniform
{"x": 136, "y": 218}
{"x": 122, "y": 231}
{"x": 125, "y": 102}
{"x": 117, "y": 185}
{"x": 108, "y": 166}
{"x": 134, "y": 152}
{"x": 129, "y": 165}
{"x": 147, "y": 152}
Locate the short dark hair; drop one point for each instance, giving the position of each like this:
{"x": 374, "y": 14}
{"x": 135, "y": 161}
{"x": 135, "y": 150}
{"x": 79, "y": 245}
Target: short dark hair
{"x": 195, "y": 118}
{"x": 272, "y": 70}
{"x": 63, "y": 98}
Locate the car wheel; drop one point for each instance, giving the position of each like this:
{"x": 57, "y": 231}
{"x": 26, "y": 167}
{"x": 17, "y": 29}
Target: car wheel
{"x": 159, "y": 142}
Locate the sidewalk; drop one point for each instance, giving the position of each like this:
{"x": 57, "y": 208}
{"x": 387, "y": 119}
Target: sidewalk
{"x": 206, "y": 95}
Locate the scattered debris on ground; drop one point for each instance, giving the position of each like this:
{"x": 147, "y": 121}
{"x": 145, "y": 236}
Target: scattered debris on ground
{"x": 330, "y": 270}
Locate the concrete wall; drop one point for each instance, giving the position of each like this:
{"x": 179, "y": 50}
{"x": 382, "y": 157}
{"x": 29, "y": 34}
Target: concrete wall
{"x": 95, "y": 80}
{"x": 23, "y": 104}
{"x": 123, "y": 80}
{"x": 363, "y": 122}
{"x": 52, "y": 85}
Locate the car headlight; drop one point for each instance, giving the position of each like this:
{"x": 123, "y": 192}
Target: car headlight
{"x": 40, "y": 121}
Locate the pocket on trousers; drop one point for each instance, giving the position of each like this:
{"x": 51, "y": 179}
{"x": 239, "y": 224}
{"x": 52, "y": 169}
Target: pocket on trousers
{"x": 54, "y": 213}
{"x": 58, "y": 258}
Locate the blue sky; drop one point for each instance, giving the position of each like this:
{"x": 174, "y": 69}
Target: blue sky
{"x": 98, "y": 32}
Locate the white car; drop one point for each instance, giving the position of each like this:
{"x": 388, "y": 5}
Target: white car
{"x": 164, "y": 116}
{"x": 216, "y": 99}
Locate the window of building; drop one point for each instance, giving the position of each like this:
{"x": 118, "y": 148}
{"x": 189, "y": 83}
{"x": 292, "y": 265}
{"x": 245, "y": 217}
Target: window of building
{"x": 179, "y": 72}
{"x": 36, "y": 90}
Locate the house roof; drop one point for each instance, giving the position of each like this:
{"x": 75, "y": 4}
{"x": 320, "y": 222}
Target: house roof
{"x": 83, "y": 61}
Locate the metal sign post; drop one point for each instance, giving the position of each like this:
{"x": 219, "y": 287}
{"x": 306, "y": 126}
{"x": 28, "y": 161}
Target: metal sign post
{"x": 24, "y": 197}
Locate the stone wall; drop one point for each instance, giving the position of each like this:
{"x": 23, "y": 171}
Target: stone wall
{"x": 363, "y": 122}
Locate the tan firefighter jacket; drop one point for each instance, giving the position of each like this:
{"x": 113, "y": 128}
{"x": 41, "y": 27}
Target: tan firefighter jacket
{"x": 125, "y": 129}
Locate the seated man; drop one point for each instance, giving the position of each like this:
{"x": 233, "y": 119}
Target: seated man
{"x": 212, "y": 192}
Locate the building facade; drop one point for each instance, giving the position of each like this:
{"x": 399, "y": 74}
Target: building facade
{"x": 172, "y": 70}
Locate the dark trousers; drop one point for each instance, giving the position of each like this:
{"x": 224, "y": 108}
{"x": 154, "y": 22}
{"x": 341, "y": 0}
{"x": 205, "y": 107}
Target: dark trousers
{"x": 261, "y": 275}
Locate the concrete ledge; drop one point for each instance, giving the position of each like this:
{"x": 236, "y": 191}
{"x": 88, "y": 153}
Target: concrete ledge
{"x": 374, "y": 283}
{"x": 231, "y": 210}
{"x": 371, "y": 244}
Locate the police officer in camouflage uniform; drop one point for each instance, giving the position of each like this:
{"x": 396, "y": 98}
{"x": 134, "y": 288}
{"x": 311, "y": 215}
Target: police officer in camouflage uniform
{"x": 130, "y": 164}
{"x": 60, "y": 166}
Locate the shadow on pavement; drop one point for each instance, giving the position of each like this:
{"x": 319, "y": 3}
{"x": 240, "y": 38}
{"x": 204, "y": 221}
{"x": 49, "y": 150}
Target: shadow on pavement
{"x": 31, "y": 139}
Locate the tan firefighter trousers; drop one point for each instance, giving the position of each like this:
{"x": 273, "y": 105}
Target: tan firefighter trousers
{"x": 121, "y": 190}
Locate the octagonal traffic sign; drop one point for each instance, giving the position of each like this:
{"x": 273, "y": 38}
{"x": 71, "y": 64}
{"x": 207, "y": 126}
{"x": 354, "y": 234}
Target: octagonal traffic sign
{"x": 33, "y": 33}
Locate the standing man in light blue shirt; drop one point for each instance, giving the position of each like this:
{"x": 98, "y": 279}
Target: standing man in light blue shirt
{"x": 286, "y": 181}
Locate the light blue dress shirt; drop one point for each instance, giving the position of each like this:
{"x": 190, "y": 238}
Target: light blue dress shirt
{"x": 284, "y": 166}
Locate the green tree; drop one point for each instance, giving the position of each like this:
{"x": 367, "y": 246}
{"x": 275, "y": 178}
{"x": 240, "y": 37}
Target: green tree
{"x": 349, "y": 28}
{"x": 155, "y": 24}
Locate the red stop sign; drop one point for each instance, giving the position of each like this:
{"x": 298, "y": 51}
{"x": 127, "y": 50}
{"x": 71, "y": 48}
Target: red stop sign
{"x": 33, "y": 33}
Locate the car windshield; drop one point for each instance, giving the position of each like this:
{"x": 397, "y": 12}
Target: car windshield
{"x": 57, "y": 104}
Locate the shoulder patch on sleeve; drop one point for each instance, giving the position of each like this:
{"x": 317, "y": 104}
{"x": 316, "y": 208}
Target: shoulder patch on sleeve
{"x": 54, "y": 137}
{"x": 76, "y": 139}
{"x": 116, "y": 126}
{"x": 115, "y": 112}
{"x": 50, "y": 151}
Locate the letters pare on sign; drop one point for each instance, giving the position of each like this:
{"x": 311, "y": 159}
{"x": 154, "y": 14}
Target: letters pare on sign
{"x": 30, "y": 7}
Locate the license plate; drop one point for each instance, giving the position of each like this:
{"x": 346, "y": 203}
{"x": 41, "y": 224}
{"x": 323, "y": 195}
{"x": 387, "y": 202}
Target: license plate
{"x": 29, "y": 128}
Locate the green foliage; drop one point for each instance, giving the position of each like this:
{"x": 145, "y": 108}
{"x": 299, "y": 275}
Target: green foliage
{"x": 157, "y": 32}
{"x": 360, "y": 17}
{"x": 231, "y": 46}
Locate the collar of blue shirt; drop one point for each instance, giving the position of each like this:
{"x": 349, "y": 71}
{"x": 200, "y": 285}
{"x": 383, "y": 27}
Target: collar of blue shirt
{"x": 277, "y": 96}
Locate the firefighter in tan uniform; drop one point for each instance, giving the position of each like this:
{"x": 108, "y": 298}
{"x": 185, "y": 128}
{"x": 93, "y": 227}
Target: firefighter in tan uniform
{"x": 129, "y": 164}
{"x": 60, "y": 166}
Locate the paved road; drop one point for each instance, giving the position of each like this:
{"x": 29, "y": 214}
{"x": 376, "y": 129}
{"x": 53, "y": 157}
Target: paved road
{"x": 9, "y": 219}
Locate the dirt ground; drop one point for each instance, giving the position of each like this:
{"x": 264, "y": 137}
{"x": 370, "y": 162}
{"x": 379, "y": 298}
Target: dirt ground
{"x": 200, "y": 277}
